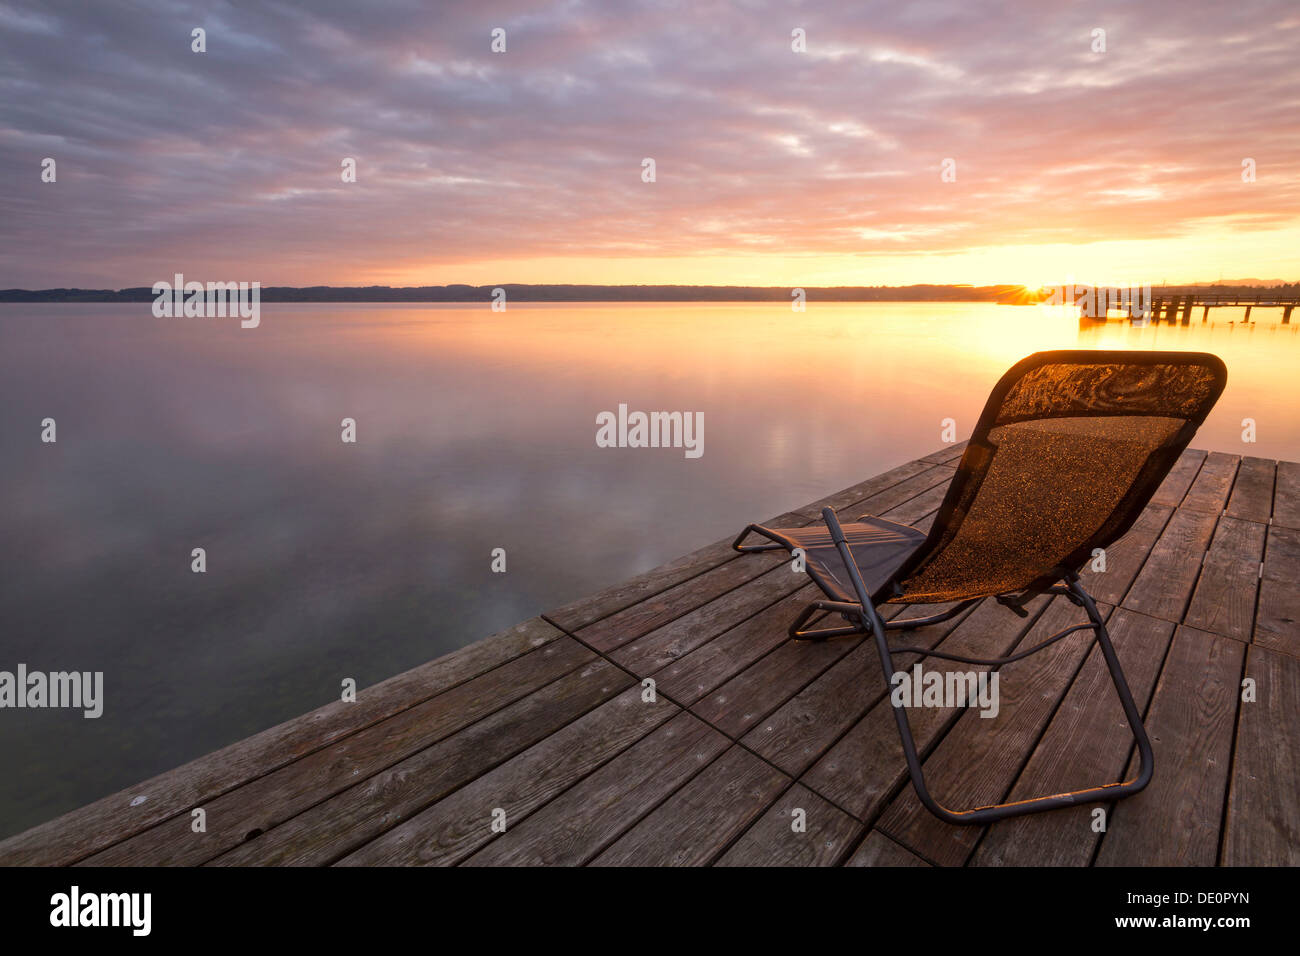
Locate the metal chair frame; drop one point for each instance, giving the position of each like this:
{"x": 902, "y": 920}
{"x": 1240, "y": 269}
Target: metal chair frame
{"x": 860, "y": 616}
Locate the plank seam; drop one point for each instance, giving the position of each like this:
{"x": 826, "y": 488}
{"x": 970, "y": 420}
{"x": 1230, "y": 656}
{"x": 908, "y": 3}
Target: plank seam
{"x": 1112, "y": 806}
{"x": 734, "y": 740}
{"x": 1232, "y": 763}
{"x": 378, "y": 771}
{"x": 452, "y": 792}
{"x": 606, "y": 844}
{"x": 576, "y": 782}
{"x": 245, "y": 781}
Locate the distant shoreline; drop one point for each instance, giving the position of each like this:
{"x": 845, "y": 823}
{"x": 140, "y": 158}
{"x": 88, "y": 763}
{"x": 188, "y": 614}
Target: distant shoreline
{"x": 519, "y": 292}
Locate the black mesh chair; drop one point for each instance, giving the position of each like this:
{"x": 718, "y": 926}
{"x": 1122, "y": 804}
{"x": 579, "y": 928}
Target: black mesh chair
{"x": 1069, "y": 449}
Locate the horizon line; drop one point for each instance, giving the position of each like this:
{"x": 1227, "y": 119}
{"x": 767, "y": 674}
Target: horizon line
{"x": 1229, "y": 283}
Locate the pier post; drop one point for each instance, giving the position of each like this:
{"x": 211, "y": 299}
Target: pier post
{"x": 1187, "y": 309}
{"x": 1248, "y": 308}
{"x": 1205, "y": 314}
{"x": 1286, "y": 315}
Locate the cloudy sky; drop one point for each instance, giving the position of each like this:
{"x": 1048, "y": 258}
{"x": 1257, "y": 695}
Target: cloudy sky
{"x": 772, "y": 166}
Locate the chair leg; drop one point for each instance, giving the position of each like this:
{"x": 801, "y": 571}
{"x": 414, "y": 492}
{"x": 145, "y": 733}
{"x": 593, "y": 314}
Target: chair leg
{"x": 798, "y": 629}
{"x": 799, "y": 633}
{"x": 908, "y": 624}
{"x": 1001, "y": 811}
{"x": 751, "y": 548}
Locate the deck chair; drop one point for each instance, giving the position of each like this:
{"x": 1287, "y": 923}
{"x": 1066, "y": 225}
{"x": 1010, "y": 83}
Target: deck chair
{"x": 1067, "y": 452}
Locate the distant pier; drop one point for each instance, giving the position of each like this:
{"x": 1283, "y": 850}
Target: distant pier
{"x": 1178, "y": 305}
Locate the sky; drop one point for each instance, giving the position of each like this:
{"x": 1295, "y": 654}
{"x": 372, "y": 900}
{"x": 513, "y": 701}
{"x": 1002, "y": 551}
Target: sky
{"x": 772, "y": 166}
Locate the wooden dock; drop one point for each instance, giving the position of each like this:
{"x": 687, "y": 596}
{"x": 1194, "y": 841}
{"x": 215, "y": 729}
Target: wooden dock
{"x": 547, "y": 726}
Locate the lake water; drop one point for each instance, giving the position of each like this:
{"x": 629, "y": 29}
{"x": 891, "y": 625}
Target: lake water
{"x": 475, "y": 430}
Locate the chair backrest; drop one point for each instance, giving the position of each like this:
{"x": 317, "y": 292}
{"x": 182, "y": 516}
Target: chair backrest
{"x": 1068, "y": 451}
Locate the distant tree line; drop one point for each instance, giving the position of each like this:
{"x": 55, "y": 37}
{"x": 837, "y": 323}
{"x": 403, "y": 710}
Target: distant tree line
{"x": 517, "y": 292}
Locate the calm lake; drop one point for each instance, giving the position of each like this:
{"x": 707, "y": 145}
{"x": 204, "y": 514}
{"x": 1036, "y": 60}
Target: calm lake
{"x": 475, "y": 431}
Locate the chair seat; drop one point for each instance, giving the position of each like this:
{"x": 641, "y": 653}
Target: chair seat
{"x": 878, "y": 547}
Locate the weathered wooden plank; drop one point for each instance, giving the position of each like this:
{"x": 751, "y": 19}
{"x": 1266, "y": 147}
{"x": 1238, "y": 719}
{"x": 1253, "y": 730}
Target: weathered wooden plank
{"x": 330, "y": 829}
{"x": 1224, "y": 599}
{"x": 1087, "y": 744}
{"x": 1209, "y": 492}
{"x": 794, "y": 734}
{"x": 571, "y": 829}
{"x": 747, "y": 698}
{"x": 933, "y": 479}
{"x": 263, "y": 803}
{"x": 1277, "y": 622}
{"x": 866, "y": 768}
{"x": 642, "y": 618}
{"x": 578, "y": 614}
{"x": 803, "y": 728}
{"x": 585, "y": 611}
{"x": 978, "y": 760}
{"x": 949, "y": 454}
{"x": 1174, "y": 488}
{"x": 1124, "y": 558}
{"x": 675, "y": 640}
{"x": 923, "y": 525}
{"x": 1286, "y": 496}
{"x": 800, "y": 829}
{"x": 868, "y": 488}
{"x": 1164, "y": 585}
{"x": 78, "y": 834}
{"x": 697, "y": 822}
{"x": 689, "y": 678}
{"x": 878, "y": 850}
{"x": 1175, "y": 821}
{"x": 1263, "y": 823}
{"x": 1252, "y": 493}
{"x": 462, "y": 822}
{"x": 915, "y": 510}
